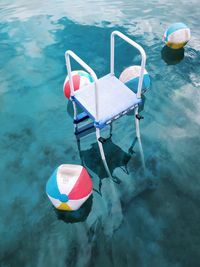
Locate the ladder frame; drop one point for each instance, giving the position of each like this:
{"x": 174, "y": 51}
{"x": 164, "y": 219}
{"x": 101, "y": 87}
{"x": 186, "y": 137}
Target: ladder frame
{"x": 70, "y": 53}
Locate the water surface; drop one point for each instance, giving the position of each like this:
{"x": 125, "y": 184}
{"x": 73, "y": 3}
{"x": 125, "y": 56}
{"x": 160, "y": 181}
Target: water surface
{"x": 123, "y": 224}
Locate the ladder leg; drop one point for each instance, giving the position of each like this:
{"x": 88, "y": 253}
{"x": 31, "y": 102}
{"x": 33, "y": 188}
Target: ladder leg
{"x": 137, "y": 123}
{"x": 137, "y": 127}
{"x": 111, "y": 127}
{"x": 102, "y": 153}
{"x": 79, "y": 150}
{"x": 75, "y": 116}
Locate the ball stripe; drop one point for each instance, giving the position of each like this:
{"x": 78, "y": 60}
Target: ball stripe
{"x": 68, "y": 174}
{"x": 175, "y": 27}
{"x": 76, "y": 83}
{"x": 52, "y": 187}
{"x": 133, "y": 84}
{"x": 82, "y": 187}
{"x": 64, "y": 206}
{"x": 86, "y": 75}
{"x": 176, "y": 46}
{"x": 75, "y": 204}
{"x": 55, "y": 202}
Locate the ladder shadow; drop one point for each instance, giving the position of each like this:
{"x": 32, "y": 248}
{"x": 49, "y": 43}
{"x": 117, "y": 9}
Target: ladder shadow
{"x": 116, "y": 157}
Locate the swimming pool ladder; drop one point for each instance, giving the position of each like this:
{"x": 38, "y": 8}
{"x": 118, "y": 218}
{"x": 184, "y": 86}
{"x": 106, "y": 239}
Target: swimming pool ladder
{"x": 104, "y": 86}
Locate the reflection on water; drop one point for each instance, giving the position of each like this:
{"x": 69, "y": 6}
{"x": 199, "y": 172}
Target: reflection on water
{"x": 115, "y": 155}
{"x": 172, "y": 56}
{"x": 123, "y": 227}
{"x": 75, "y": 216}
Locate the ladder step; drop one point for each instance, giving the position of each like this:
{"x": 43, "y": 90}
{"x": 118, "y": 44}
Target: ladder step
{"x": 85, "y": 130}
{"x": 81, "y": 117}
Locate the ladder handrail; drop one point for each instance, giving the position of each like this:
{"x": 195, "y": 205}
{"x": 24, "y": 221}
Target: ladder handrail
{"x": 69, "y": 53}
{"x": 134, "y": 44}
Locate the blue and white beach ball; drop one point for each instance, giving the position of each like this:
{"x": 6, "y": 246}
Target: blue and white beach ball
{"x": 130, "y": 76}
{"x": 177, "y": 35}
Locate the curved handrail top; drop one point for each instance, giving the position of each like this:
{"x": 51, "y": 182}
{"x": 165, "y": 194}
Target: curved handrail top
{"x": 81, "y": 62}
{"x": 131, "y": 42}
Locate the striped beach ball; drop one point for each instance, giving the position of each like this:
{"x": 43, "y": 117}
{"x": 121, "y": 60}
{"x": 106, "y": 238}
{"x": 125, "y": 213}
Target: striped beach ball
{"x": 130, "y": 76}
{"x": 80, "y": 78}
{"x": 69, "y": 187}
{"x": 177, "y": 35}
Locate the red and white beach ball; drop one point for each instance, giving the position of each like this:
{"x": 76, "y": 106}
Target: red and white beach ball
{"x": 80, "y": 78}
{"x": 69, "y": 187}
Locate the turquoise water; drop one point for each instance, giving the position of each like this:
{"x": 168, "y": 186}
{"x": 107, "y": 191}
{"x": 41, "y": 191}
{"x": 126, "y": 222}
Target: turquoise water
{"x": 124, "y": 223}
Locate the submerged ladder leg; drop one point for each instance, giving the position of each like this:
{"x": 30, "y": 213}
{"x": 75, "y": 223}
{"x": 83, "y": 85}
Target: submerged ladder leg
{"x": 75, "y": 116}
{"x": 137, "y": 127}
{"x": 137, "y": 123}
{"x": 98, "y": 135}
{"x": 111, "y": 128}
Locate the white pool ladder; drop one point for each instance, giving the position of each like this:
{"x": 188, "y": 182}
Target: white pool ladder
{"x": 97, "y": 87}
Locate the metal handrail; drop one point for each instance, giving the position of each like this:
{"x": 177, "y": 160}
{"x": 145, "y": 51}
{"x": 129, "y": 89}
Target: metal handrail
{"x": 69, "y": 53}
{"x": 134, "y": 44}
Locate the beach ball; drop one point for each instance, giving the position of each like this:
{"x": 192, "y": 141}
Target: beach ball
{"x": 80, "y": 78}
{"x": 177, "y": 35}
{"x": 130, "y": 76}
{"x": 69, "y": 187}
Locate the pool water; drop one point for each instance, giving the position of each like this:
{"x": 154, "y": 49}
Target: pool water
{"x": 126, "y": 222}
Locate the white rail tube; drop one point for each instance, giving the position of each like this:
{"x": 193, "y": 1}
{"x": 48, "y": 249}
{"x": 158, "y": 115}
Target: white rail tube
{"x": 134, "y": 44}
{"x": 69, "y": 53}
{"x": 98, "y": 135}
